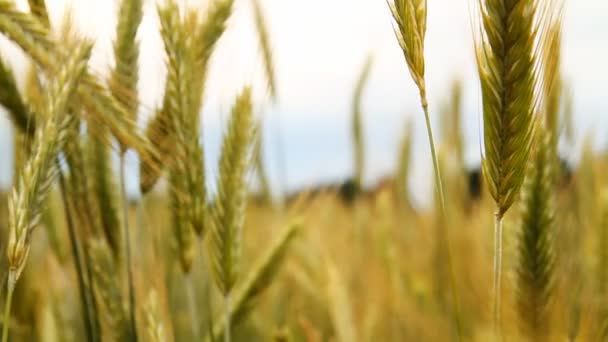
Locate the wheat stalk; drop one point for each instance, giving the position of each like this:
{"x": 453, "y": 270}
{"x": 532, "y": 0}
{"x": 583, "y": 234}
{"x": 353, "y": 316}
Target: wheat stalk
{"x": 123, "y": 84}
{"x": 37, "y": 176}
{"x": 508, "y": 70}
{"x": 410, "y": 17}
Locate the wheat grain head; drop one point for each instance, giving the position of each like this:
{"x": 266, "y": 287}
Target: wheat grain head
{"x": 229, "y": 214}
{"x": 37, "y": 176}
{"x": 536, "y": 261}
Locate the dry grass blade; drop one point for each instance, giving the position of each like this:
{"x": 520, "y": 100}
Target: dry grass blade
{"x": 536, "y": 261}
{"x": 11, "y": 99}
{"x": 260, "y": 277}
{"x": 403, "y": 165}
{"x": 264, "y": 40}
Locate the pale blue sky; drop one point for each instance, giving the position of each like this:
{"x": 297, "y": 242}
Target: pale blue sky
{"x": 319, "y": 46}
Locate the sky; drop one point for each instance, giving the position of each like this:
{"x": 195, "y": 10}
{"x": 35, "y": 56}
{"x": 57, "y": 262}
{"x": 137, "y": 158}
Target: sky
{"x": 319, "y": 48}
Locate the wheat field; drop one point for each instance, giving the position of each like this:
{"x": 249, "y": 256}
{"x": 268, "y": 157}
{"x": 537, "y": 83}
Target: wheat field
{"x": 515, "y": 250}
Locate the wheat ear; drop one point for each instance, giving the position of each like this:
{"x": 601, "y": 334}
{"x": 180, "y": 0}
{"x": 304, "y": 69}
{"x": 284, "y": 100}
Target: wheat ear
{"x": 264, "y": 41}
{"x": 160, "y": 129}
{"x": 536, "y": 260}
{"x": 229, "y": 215}
{"x": 177, "y": 107}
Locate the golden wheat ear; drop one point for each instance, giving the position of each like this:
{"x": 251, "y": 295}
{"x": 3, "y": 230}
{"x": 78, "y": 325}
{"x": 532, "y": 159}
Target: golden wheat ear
{"x": 231, "y": 201}
{"x": 176, "y": 104}
{"x": 160, "y": 129}
{"x": 125, "y": 74}
{"x": 229, "y": 213}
